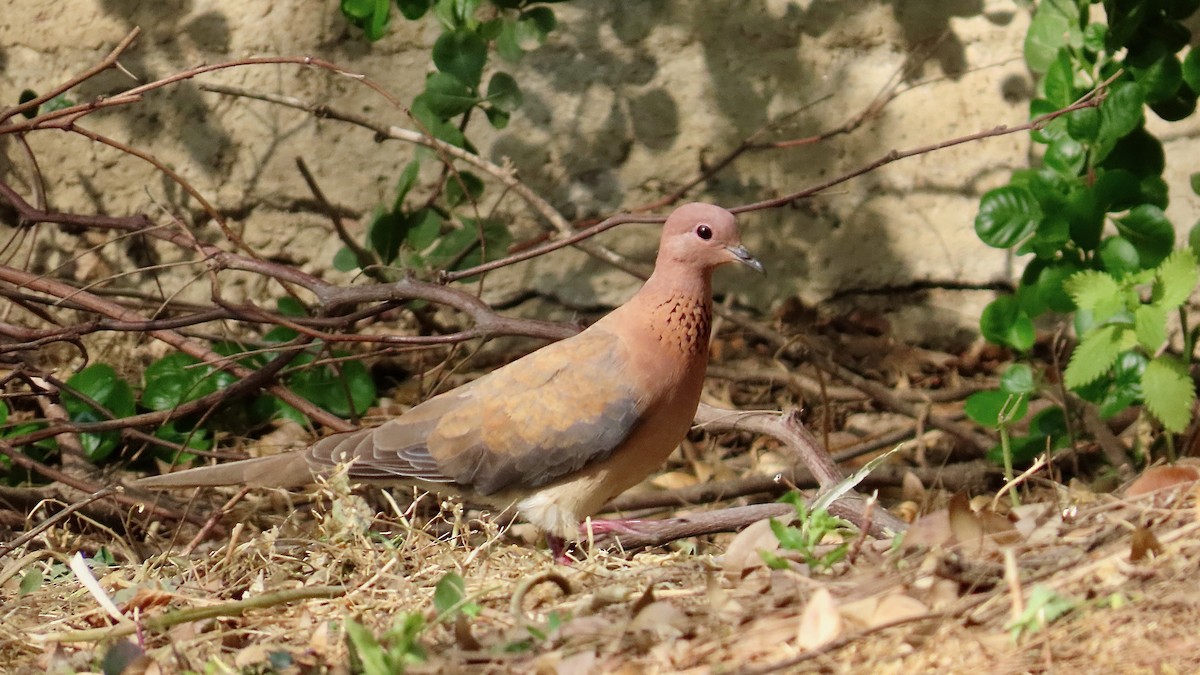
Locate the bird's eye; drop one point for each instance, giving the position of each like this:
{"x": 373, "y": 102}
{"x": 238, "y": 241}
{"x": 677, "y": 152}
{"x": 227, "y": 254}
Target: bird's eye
{"x": 704, "y": 232}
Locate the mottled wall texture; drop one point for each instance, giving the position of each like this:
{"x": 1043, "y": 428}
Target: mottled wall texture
{"x": 626, "y": 101}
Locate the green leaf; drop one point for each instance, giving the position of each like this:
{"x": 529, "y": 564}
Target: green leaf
{"x": 1066, "y": 156}
{"x": 176, "y": 379}
{"x": 435, "y": 126}
{"x": 455, "y": 184}
{"x": 1150, "y": 326}
{"x": 1004, "y": 322}
{"x": 447, "y": 96}
{"x": 413, "y": 9}
{"x": 1057, "y": 85}
{"x": 497, "y": 117}
{"x": 1160, "y": 79}
{"x": 1094, "y": 35}
{"x": 996, "y": 409}
{"x": 30, "y": 582}
{"x": 1017, "y": 379}
{"x": 508, "y": 45}
{"x": 343, "y": 389}
{"x": 100, "y": 383}
{"x": 1176, "y": 279}
{"x": 1139, "y": 153}
{"x": 1044, "y": 37}
{"x": 461, "y": 53}
{"x": 1120, "y": 256}
{"x": 385, "y": 233}
{"x": 289, "y": 306}
{"x": 1190, "y": 70}
{"x": 1120, "y": 113}
{"x": 1083, "y": 124}
{"x": 534, "y": 25}
{"x": 1006, "y": 216}
{"x": 503, "y": 92}
{"x": 427, "y": 225}
{"x": 408, "y": 178}
{"x": 1169, "y": 392}
{"x": 1118, "y": 189}
{"x": 1148, "y": 229}
{"x": 345, "y": 260}
{"x": 1096, "y": 292}
{"x": 449, "y": 592}
{"x": 1095, "y": 354}
{"x": 790, "y": 538}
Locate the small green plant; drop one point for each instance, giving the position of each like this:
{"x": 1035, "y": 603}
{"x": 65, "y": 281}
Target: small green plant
{"x": 391, "y": 653}
{"x": 812, "y": 527}
{"x": 1092, "y": 218}
{"x": 1043, "y": 608}
{"x": 96, "y": 393}
{"x": 445, "y": 232}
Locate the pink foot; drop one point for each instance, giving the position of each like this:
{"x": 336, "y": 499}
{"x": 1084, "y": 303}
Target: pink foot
{"x": 558, "y": 549}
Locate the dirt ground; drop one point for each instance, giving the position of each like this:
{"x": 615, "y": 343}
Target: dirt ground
{"x": 1071, "y": 580}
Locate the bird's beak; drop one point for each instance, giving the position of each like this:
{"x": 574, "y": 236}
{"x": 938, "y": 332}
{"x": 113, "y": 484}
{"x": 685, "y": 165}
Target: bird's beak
{"x": 743, "y": 256}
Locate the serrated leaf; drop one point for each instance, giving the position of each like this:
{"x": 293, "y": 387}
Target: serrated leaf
{"x": 1095, "y": 354}
{"x": 1176, "y": 277}
{"x": 1169, "y": 392}
{"x": 1150, "y": 326}
{"x": 1096, "y": 292}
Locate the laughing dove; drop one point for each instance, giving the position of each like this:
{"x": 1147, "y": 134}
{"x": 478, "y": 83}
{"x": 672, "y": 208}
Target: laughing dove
{"x": 560, "y": 431}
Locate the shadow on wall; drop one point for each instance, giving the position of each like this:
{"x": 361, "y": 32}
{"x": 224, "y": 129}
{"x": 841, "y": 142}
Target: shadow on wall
{"x": 752, "y": 60}
{"x": 183, "y": 111}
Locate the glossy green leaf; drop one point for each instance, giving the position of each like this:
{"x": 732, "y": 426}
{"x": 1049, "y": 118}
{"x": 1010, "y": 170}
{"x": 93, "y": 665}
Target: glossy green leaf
{"x": 1006, "y": 216}
{"x": 1120, "y": 256}
{"x": 427, "y": 225}
{"x": 1004, "y": 322}
{"x": 508, "y": 45}
{"x": 385, "y": 233}
{"x": 340, "y": 389}
{"x": 413, "y": 9}
{"x": 1057, "y": 85}
{"x": 1083, "y": 124}
{"x": 1139, "y": 153}
{"x": 1148, "y": 229}
{"x": 1120, "y": 113}
{"x": 1066, "y": 156}
{"x": 1160, "y": 78}
{"x": 461, "y": 53}
{"x": 176, "y": 379}
{"x": 496, "y": 117}
{"x": 1169, "y": 392}
{"x": 100, "y": 383}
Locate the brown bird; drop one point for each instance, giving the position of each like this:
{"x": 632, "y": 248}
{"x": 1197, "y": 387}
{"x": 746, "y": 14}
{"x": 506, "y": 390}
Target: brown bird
{"x": 559, "y": 432}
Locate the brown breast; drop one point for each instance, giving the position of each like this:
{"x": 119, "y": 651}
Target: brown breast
{"x": 684, "y": 323}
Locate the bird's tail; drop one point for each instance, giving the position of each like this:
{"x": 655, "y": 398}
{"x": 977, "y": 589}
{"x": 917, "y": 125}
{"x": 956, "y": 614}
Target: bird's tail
{"x": 285, "y": 470}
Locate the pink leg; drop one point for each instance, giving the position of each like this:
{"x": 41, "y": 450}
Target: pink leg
{"x": 612, "y": 526}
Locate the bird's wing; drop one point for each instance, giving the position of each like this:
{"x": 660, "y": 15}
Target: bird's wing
{"x": 522, "y": 426}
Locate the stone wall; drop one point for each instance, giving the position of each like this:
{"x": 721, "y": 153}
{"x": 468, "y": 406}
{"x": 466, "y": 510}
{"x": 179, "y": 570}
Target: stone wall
{"x": 624, "y": 102}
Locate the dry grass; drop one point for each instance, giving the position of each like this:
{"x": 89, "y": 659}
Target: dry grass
{"x": 684, "y": 611}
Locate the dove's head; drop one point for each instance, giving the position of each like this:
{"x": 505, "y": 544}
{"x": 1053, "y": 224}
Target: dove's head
{"x": 704, "y": 236}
